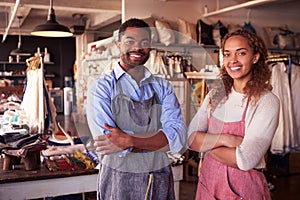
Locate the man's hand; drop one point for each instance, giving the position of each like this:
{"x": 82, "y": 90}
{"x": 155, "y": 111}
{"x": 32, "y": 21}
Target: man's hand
{"x": 113, "y": 142}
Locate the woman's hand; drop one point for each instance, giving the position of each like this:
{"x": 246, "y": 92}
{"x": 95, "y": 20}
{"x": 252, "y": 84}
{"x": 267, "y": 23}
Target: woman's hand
{"x": 230, "y": 141}
{"x": 113, "y": 142}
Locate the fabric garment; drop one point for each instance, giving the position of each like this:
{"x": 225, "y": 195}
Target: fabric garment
{"x": 219, "y": 181}
{"x": 119, "y": 185}
{"x": 248, "y": 26}
{"x": 204, "y": 33}
{"x": 31, "y": 98}
{"x": 295, "y": 83}
{"x": 131, "y": 173}
{"x": 61, "y": 150}
{"x": 263, "y": 114}
{"x": 219, "y": 31}
{"x": 36, "y": 97}
{"x": 137, "y": 109}
{"x": 139, "y": 117}
{"x": 285, "y": 136}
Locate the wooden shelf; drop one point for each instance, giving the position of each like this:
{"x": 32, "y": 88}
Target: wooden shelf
{"x": 199, "y": 75}
{"x": 12, "y": 76}
{"x": 21, "y": 63}
{"x": 12, "y": 63}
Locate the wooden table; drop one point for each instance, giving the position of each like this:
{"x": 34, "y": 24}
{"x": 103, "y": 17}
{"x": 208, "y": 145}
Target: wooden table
{"x": 20, "y": 184}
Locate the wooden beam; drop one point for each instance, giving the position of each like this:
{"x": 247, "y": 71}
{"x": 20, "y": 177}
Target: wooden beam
{"x": 89, "y": 5}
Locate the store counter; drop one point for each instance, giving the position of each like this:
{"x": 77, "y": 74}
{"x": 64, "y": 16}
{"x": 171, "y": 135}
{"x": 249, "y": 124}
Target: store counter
{"x": 21, "y": 184}
{"x": 41, "y": 183}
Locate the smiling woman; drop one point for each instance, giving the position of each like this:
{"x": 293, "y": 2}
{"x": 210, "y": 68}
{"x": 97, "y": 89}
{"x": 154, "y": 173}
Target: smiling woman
{"x": 238, "y": 60}
{"x": 245, "y": 53}
{"x": 229, "y": 134}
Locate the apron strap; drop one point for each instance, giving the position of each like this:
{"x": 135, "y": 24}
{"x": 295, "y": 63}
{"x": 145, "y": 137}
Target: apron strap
{"x": 245, "y": 111}
{"x": 149, "y": 185}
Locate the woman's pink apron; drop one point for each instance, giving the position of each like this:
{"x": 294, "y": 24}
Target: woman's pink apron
{"x": 219, "y": 181}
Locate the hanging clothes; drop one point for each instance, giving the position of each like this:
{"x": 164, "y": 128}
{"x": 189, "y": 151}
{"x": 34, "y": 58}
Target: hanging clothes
{"x": 248, "y": 26}
{"x": 285, "y": 138}
{"x": 31, "y": 98}
{"x": 39, "y": 109}
{"x": 295, "y": 83}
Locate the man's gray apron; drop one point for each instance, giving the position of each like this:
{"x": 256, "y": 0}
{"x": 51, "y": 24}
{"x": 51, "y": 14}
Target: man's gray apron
{"x": 142, "y": 175}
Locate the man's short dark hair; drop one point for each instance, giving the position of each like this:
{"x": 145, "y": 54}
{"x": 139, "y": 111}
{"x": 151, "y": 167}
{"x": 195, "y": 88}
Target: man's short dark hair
{"x": 133, "y": 22}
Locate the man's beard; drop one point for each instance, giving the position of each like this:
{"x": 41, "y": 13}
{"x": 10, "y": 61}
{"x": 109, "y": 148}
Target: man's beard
{"x": 130, "y": 63}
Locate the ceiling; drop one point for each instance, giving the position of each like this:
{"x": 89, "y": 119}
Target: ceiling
{"x": 98, "y": 16}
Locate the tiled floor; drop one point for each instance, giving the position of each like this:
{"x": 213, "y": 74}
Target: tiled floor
{"x": 286, "y": 180}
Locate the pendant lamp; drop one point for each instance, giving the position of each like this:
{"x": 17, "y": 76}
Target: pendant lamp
{"x": 51, "y": 28}
{"x": 19, "y": 51}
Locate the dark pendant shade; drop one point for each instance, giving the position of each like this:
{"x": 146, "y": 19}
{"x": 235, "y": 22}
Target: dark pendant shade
{"x": 51, "y": 28}
{"x": 19, "y": 51}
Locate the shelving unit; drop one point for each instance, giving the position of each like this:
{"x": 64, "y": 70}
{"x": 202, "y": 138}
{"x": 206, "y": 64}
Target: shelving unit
{"x": 8, "y": 70}
{"x": 201, "y": 55}
{"x": 15, "y": 72}
{"x": 11, "y": 65}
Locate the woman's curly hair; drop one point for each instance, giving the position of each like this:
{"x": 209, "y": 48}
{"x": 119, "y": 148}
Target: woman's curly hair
{"x": 261, "y": 74}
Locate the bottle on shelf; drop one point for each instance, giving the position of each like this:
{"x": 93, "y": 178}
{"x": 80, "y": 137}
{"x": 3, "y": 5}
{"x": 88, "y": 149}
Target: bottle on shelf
{"x": 46, "y": 55}
{"x": 68, "y": 81}
{"x": 10, "y": 59}
{"x": 18, "y": 58}
{"x": 38, "y": 51}
{"x": 68, "y": 95}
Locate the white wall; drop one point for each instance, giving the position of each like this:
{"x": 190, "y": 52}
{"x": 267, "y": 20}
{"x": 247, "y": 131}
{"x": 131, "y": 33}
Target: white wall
{"x": 275, "y": 14}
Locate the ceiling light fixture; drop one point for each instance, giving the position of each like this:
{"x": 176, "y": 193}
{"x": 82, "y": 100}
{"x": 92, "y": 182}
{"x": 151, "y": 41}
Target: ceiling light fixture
{"x": 51, "y": 28}
{"x": 18, "y": 51}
